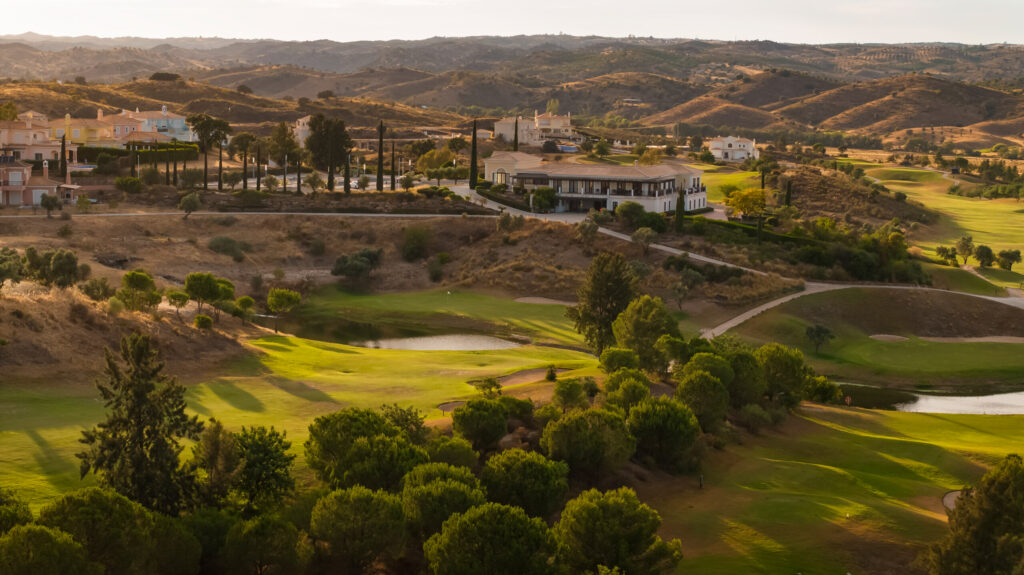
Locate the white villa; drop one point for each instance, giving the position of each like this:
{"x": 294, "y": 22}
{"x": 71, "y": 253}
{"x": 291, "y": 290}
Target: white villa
{"x": 581, "y": 187}
{"x": 733, "y": 149}
{"x": 533, "y": 133}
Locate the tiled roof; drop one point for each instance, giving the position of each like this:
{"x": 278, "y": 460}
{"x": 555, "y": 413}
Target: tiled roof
{"x": 608, "y": 172}
{"x": 156, "y": 114}
{"x": 512, "y": 156}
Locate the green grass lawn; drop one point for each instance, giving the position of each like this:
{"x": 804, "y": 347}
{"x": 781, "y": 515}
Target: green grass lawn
{"x": 859, "y": 163}
{"x": 287, "y": 384}
{"x": 854, "y": 356}
{"x": 545, "y": 323}
{"x": 956, "y": 279}
{"x": 832, "y": 491}
{"x": 996, "y": 223}
{"x": 1003, "y": 278}
{"x": 715, "y": 180}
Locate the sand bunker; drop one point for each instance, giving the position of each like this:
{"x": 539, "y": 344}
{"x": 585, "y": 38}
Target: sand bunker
{"x": 887, "y": 337}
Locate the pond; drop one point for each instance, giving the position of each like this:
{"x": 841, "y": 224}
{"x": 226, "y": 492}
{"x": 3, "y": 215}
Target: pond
{"x": 900, "y": 400}
{"x": 423, "y": 336}
{"x": 449, "y": 342}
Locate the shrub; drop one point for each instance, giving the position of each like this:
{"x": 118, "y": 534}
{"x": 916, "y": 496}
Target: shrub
{"x": 435, "y": 270}
{"x": 229, "y": 247}
{"x": 65, "y": 230}
{"x": 128, "y": 185}
{"x": 753, "y": 417}
{"x": 115, "y": 306}
{"x": 97, "y": 289}
{"x": 415, "y": 242}
{"x": 551, "y": 374}
{"x": 615, "y": 358}
{"x": 203, "y": 322}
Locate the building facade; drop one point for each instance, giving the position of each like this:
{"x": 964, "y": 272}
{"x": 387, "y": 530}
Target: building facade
{"x": 733, "y": 149}
{"x": 19, "y": 187}
{"x": 28, "y": 138}
{"x": 582, "y": 187}
{"x": 535, "y": 132}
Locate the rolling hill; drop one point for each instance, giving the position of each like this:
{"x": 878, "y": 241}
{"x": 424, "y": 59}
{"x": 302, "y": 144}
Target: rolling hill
{"x": 185, "y": 97}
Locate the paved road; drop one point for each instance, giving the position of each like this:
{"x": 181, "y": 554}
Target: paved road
{"x": 309, "y": 214}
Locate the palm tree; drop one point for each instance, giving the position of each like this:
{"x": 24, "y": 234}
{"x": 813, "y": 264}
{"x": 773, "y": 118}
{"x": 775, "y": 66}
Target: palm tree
{"x": 209, "y": 131}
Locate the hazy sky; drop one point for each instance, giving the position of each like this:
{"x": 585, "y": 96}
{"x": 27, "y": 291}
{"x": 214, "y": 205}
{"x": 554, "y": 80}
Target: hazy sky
{"x": 818, "y": 21}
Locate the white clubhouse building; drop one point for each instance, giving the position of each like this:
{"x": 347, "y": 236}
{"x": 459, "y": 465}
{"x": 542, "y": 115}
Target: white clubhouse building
{"x": 733, "y": 149}
{"x": 582, "y": 187}
{"x": 536, "y": 131}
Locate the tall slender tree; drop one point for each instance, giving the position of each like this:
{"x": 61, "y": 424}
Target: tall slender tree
{"x": 515, "y": 136}
{"x": 348, "y": 170}
{"x": 208, "y": 131}
{"x": 167, "y": 165}
{"x": 220, "y": 166}
{"x": 380, "y": 157}
{"x": 258, "y": 172}
{"x": 63, "y": 157}
{"x": 241, "y": 144}
{"x": 174, "y": 155}
{"x": 328, "y": 143}
{"x": 473, "y": 170}
{"x": 392, "y": 164}
{"x": 331, "y": 161}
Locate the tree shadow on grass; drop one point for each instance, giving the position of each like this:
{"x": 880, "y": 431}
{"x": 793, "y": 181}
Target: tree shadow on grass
{"x": 301, "y": 390}
{"x": 235, "y": 396}
{"x": 59, "y": 470}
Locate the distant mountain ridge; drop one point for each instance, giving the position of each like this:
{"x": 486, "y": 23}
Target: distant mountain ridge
{"x": 543, "y": 58}
{"x": 890, "y": 91}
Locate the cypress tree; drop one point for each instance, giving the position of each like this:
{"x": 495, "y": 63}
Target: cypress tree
{"x": 258, "y": 174}
{"x": 515, "y": 136}
{"x": 348, "y": 171}
{"x": 789, "y": 191}
{"x": 380, "y": 157}
{"x": 167, "y": 166}
{"x": 392, "y": 164}
{"x": 472, "y": 160}
{"x": 220, "y": 167}
{"x": 175, "y": 153}
{"x": 63, "y": 157}
{"x": 330, "y": 156}
{"x": 245, "y": 167}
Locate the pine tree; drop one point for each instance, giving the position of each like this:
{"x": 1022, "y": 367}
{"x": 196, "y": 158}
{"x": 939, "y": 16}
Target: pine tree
{"x": 136, "y": 450}
{"x": 473, "y": 175}
{"x": 380, "y": 157}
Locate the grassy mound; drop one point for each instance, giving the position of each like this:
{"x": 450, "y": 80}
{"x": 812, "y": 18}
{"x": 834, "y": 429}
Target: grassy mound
{"x": 855, "y": 314}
